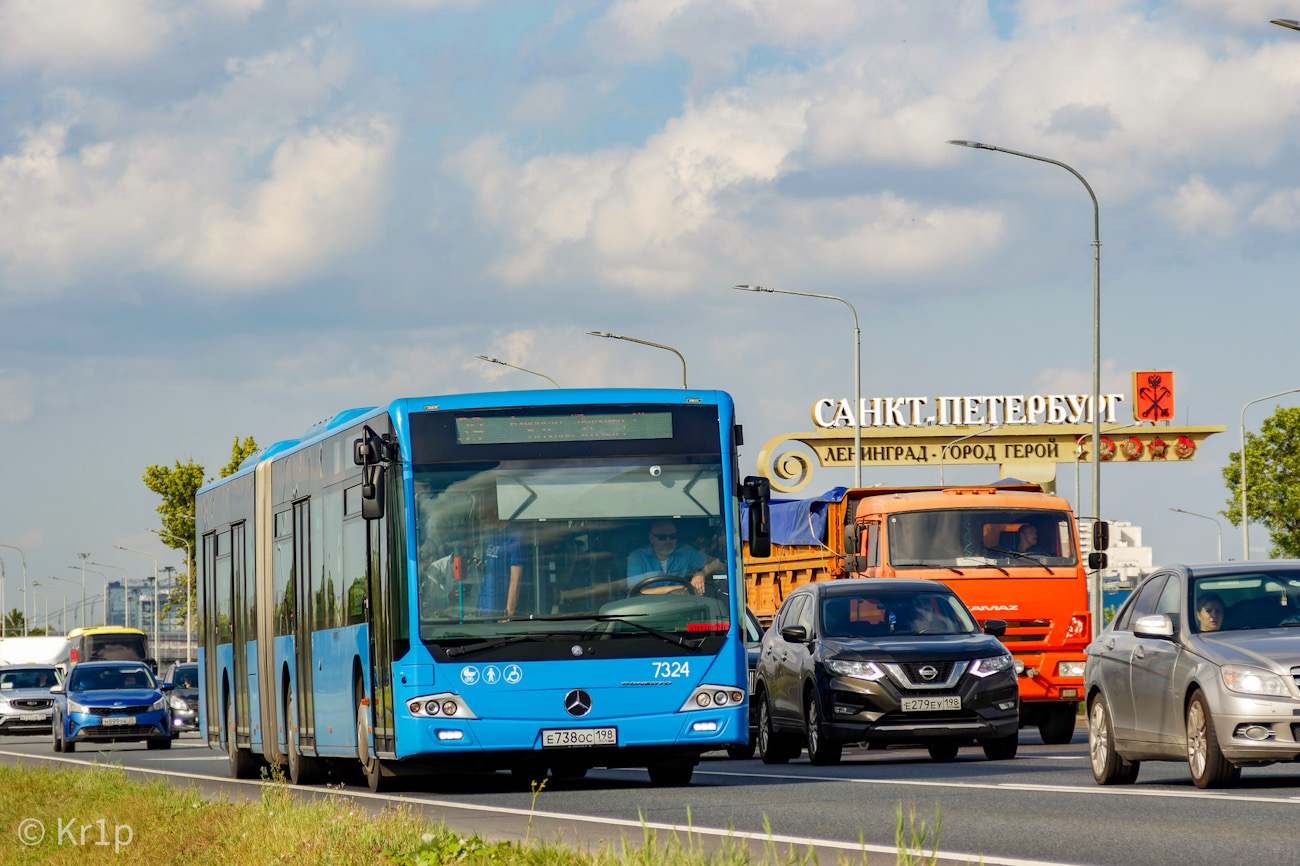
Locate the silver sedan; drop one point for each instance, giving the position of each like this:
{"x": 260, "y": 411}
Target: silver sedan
{"x": 1202, "y": 664}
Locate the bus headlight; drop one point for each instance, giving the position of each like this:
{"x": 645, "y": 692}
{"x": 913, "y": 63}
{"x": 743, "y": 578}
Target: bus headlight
{"x": 709, "y": 697}
{"x": 441, "y": 705}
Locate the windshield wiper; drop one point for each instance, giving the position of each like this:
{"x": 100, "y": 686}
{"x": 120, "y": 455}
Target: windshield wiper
{"x": 1022, "y": 556}
{"x": 951, "y": 568}
{"x": 482, "y": 646}
{"x": 667, "y": 637}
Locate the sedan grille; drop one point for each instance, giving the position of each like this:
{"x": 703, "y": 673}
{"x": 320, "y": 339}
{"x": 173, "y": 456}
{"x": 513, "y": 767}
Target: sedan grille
{"x": 1295, "y": 675}
{"x": 112, "y": 732}
{"x": 32, "y": 703}
{"x": 119, "y": 711}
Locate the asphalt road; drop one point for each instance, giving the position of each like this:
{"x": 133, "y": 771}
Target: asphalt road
{"x": 1043, "y": 807}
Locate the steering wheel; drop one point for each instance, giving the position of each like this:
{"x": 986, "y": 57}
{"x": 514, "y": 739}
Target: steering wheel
{"x": 639, "y": 587}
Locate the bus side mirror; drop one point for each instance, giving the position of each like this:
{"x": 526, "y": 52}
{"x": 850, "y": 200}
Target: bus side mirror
{"x": 852, "y": 539}
{"x": 757, "y": 493}
{"x": 372, "y": 493}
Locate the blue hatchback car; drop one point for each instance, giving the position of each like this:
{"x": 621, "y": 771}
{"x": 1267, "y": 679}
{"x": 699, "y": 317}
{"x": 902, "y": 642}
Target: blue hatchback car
{"x": 111, "y": 702}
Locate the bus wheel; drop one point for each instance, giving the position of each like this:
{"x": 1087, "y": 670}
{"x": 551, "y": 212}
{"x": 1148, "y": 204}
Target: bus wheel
{"x": 303, "y": 769}
{"x": 241, "y": 760}
{"x": 1056, "y": 724}
{"x": 369, "y": 764}
{"x": 671, "y": 774}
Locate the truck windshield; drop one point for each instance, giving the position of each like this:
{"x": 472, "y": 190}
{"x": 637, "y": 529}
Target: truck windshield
{"x": 956, "y": 537}
{"x": 564, "y": 550}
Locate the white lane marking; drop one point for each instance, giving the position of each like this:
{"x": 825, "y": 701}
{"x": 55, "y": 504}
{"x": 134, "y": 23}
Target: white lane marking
{"x": 1008, "y": 786}
{"x": 778, "y": 838}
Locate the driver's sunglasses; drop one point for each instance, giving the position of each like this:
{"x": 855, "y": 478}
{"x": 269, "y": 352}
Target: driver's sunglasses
{"x": 665, "y": 536}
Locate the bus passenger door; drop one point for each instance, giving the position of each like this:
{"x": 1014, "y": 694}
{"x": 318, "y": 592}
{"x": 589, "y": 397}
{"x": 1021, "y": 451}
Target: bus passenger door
{"x": 303, "y": 703}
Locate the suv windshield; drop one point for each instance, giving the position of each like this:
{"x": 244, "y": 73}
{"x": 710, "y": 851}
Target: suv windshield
{"x": 612, "y": 547}
{"x": 101, "y": 678}
{"x": 32, "y": 678}
{"x": 894, "y": 614}
{"x": 954, "y": 537}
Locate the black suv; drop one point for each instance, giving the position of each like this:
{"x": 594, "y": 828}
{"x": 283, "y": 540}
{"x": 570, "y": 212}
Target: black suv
{"x": 883, "y": 661}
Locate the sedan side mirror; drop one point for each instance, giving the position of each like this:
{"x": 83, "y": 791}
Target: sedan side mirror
{"x": 995, "y": 627}
{"x": 1154, "y": 625}
{"x": 57, "y": 690}
{"x": 166, "y": 687}
{"x": 794, "y": 633}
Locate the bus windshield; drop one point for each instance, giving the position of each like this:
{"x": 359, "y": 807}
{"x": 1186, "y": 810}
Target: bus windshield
{"x": 972, "y": 537}
{"x": 545, "y": 549}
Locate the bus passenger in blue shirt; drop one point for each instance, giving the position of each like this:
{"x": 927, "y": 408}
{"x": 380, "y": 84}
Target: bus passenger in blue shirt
{"x": 663, "y": 555}
{"x": 502, "y": 561}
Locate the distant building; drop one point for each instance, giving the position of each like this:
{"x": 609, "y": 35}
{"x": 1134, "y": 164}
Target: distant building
{"x": 1129, "y": 560}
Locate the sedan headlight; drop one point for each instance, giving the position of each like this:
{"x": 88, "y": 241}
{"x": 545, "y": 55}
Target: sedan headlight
{"x": 74, "y": 707}
{"x": 861, "y": 670}
{"x": 177, "y": 702}
{"x": 160, "y": 704}
{"x": 1253, "y": 681}
{"x": 988, "y": 667}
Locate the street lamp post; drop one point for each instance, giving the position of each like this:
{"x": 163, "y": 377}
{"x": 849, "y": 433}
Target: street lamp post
{"x": 26, "y": 592}
{"x": 157, "y": 649}
{"x": 645, "y": 343}
{"x": 125, "y": 580}
{"x": 83, "y": 557}
{"x": 13, "y": 545}
{"x": 1245, "y": 522}
{"x": 103, "y": 575}
{"x": 63, "y": 617}
{"x": 1217, "y": 525}
{"x": 857, "y": 370}
{"x": 943, "y": 452}
{"x": 1096, "y": 350}
{"x": 492, "y": 360}
{"x": 3, "y": 613}
{"x": 189, "y": 578}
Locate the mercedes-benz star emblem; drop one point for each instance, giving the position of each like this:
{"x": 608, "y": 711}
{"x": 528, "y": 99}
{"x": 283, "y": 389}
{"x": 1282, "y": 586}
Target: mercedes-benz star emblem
{"x": 929, "y": 672}
{"x": 577, "y": 703}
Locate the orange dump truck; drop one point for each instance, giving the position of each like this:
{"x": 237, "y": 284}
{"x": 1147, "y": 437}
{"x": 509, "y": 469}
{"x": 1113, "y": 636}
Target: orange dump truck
{"x": 1010, "y": 551}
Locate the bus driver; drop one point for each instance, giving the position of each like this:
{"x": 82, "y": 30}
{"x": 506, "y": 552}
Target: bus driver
{"x": 664, "y": 556}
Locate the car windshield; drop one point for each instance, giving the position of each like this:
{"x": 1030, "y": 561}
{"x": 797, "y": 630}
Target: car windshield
{"x": 111, "y": 677}
{"x": 31, "y": 678}
{"x": 895, "y": 614}
{"x": 186, "y": 677}
{"x": 971, "y": 537}
{"x": 1249, "y": 599}
{"x": 614, "y": 545}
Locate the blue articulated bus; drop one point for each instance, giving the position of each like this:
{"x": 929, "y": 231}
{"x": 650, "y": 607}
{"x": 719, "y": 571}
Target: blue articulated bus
{"x": 532, "y": 581}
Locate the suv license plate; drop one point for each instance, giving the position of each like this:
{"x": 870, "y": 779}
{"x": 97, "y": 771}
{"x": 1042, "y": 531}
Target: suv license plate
{"x": 117, "y": 720}
{"x": 579, "y": 737}
{"x": 925, "y": 705}
{"x": 34, "y": 717}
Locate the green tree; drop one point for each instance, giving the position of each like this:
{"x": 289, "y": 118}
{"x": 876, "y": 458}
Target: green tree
{"x": 1272, "y": 481}
{"x": 238, "y": 451}
{"x": 14, "y": 623}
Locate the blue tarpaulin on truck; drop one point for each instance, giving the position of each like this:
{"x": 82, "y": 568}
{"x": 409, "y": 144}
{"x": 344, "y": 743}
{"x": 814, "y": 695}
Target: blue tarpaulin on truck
{"x": 797, "y": 521}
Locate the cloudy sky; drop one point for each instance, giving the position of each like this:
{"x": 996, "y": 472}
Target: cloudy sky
{"x": 224, "y": 218}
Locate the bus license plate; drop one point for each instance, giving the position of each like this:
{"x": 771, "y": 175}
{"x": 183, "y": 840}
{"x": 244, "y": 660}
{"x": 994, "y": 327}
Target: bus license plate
{"x": 926, "y": 705}
{"x": 33, "y": 717}
{"x": 117, "y": 720}
{"x": 562, "y": 737}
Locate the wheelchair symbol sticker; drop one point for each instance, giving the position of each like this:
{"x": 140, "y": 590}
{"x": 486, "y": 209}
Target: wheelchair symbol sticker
{"x": 469, "y": 675}
{"x": 491, "y": 675}
{"x": 514, "y": 674}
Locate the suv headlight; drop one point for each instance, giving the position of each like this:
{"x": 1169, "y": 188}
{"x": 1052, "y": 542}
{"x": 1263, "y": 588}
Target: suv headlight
{"x": 177, "y": 702}
{"x": 861, "y": 670}
{"x": 1253, "y": 681}
{"x": 988, "y": 667}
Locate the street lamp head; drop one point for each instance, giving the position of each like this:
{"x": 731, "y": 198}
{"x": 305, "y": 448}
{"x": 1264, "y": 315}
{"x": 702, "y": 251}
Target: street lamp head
{"x": 979, "y": 145}
{"x": 489, "y": 359}
{"x": 602, "y": 334}
{"x": 1289, "y": 23}
{"x": 754, "y": 288}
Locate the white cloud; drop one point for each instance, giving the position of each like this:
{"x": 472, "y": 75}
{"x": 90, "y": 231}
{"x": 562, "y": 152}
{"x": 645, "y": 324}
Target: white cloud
{"x": 1280, "y": 211}
{"x": 257, "y": 183}
{"x": 1199, "y": 208}
{"x": 16, "y": 402}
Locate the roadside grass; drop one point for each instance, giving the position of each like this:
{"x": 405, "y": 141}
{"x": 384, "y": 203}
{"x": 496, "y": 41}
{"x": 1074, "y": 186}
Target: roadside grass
{"x": 64, "y": 816}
